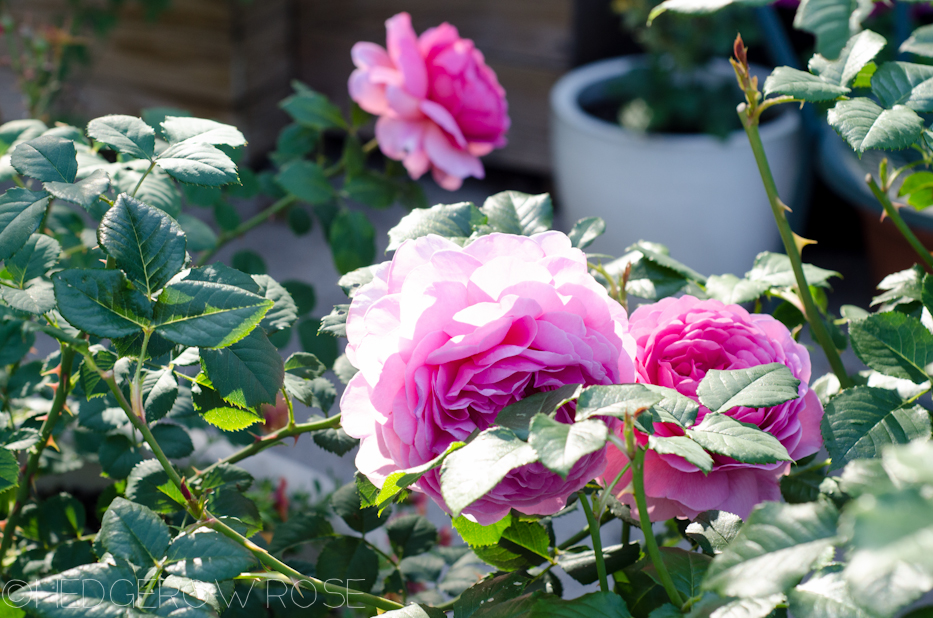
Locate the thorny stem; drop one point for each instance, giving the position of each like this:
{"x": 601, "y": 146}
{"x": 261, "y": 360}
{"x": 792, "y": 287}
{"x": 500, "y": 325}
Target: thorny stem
{"x": 139, "y": 423}
{"x": 294, "y": 577}
{"x": 891, "y": 211}
{"x": 246, "y": 226}
{"x": 597, "y": 542}
{"x": 750, "y": 114}
{"x": 32, "y": 464}
{"x": 271, "y": 440}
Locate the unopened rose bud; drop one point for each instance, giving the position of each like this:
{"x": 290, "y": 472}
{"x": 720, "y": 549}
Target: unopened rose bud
{"x": 740, "y": 51}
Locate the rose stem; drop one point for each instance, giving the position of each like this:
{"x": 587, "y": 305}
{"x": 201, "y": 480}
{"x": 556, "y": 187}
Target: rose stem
{"x": 899, "y": 222}
{"x": 651, "y": 544}
{"x": 45, "y": 431}
{"x": 750, "y": 115}
{"x": 294, "y": 576}
{"x": 597, "y": 542}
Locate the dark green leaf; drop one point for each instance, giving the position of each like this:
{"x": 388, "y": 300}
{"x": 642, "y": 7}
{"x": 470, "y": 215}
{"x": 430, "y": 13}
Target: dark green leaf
{"x": 891, "y": 556}
{"x": 144, "y": 242}
{"x": 540, "y": 605}
{"x": 346, "y": 503}
{"x": 230, "y": 501}
{"x": 775, "y": 270}
{"x": 299, "y": 529}
{"x": 90, "y": 591}
{"x": 682, "y": 446}
{"x": 920, "y": 42}
{"x": 160, "y": 391}
{"x": 198, "y": 164}
{"x": 894, "y": 344}
{"x": 471, "y": 472}
{"x": 37, "y": 297}
{"x": 101, "y": 302}
{"x": 824, "y": 595}
{"x": 755, "y": 387}
{"x": 802, "y": 85}
{"x": 84, "y": 193}
{"x": 125, "y": 134}
{"x": 411, "y": 535}
{"x": 560, "y": 446}
{"x": 490, "y": 592}
{"x": 714, "y": 530}
{"x": 118, "y": 455}
{"x": 207, "y": 315}
{"x": 322, "y": 346}
{"x": 250, "y": 262}
{"x": 335, "y": 441}
{"x": 21, "y": 212}
{"x": 34, "y": 259}
{"x": 306, "y": 181}
{"x": 344, "y": 370}
{"x": 904, "y": 83}
{"x": 454, "y": 221}
{"x": 518, "y": 416}
{"x": 15, "y": 342}
{"x": 346, "y": 558}
{"x": 860, "y": 421}
{"x": 304, "y": 365}
{"x": 335, "y": 323}
{"x": 867, "y": 126}
{"x": 686, "y": 569}
{"x": 585, "y": 231}
{"x": 730, "y": 289}
{"x": 397, "y": 481}
{"x": 371, "y": 189}
{"x": 774, "y": 550}
{"x": 199, "y": 235}
{"x": 149, "y": 485}
{"x": 855, "y": 56}
{"x": 352, "y": 240}
{"x": 723, "y": 435}
{"x": 513, "y": 212}
{"x": 302, "y": 294}
{"x": 47, "y": 159}
{"x": 9, "y": 469}
{"x": 179, "y": 129}
{"x": 299, "y": 220}
{"x": 312, "y": 109}
{"x": 174, "y": 440}
{"x": 248, "y": 373}
{"x": 134, "y": 533}
{"x": 208, "y": 556}
{"x": 582, "y": 566}
{"x": 616, "y": 400}
{"x": 828, "y": 21}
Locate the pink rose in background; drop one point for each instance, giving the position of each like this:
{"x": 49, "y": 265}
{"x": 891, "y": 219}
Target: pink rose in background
{"x": 446, "y": 336}
{"x": 440, "y": 107}
{"x": 679, "y": 340}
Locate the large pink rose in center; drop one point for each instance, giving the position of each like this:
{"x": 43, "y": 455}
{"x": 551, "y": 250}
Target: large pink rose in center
{"x": 445, "y": 337}
{"x": 440, "y": 106}
{"x": 679, "y": 340}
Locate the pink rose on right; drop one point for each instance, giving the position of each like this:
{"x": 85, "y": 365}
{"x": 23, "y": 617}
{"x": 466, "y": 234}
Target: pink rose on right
{"x": 679, "y": 340}
{"x": 440, "y": 106}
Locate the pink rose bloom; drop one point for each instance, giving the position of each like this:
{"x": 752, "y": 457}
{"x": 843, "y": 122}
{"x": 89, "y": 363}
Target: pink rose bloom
{"x": 440, "y": 107}
{"x": 446, "y": 336}
{"x": 679, "y": 340}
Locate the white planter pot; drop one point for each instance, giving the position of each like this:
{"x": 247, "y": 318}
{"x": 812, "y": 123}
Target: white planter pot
{"x": 698, "y": 194}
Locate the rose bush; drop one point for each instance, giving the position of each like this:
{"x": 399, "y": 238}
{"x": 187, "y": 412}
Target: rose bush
{"x": 440, "y": 106}
{"x": 445, "y": 337}
{"x": 679, "y": 340}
